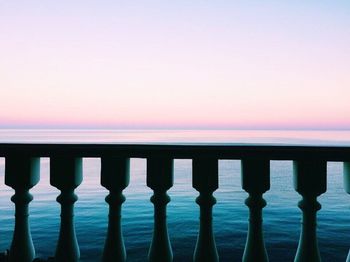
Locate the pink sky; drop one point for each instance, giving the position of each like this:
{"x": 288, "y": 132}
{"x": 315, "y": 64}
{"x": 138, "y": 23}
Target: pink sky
{"x": 219, "y": 64}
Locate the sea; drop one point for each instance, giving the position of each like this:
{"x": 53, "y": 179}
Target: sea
{"x": 281, "y": 215}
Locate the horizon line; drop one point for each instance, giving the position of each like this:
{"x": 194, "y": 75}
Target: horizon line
{"x": 176, "y": 128}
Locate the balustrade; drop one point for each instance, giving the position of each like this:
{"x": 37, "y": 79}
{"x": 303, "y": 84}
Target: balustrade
{"x": 346, "y": 177}
{"x": 205, "y": 181}
{"x": 160, "y": 180}
{"x": 22, "y": 172}
{"x": 66, "y": 175}
{"x": 114, "y": 177}
{"x": 310, "y": 181}
{"x": 256, "y": 181}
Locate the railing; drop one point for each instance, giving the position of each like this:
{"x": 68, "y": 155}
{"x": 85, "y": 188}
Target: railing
{"x": 22, "y": 172}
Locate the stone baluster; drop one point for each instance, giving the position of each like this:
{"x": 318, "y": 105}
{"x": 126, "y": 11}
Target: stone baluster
{"x": 310, "y": 181}
{"x": 255, "y": 181}
{"x": 346, "y": 178}
{"x": 205, "y": 181}
{"x": 66, "y": 175}
{"x": 22, "y": 173}
{"x": 115, "y": 175}
{"x": 160, "y": 179}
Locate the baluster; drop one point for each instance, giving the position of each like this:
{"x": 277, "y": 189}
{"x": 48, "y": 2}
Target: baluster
{"x": 310, "y": 181}
{"x": 205, "y": 181}
{"x": 22, "y": 173}
{"x": 160, "y": 179}
{"x": 66, "y": 175}
{"x": 255, "y": 181}
{"x": 115, "y": 178}
{"x": 346, "y": 178}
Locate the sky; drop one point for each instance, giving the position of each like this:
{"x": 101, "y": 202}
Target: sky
{"x": 175, "y": 64}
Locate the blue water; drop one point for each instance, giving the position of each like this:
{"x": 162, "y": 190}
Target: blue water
{"x": 281, "y": 215}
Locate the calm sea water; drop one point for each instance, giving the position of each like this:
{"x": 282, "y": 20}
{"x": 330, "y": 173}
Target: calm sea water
{"x": 281, "y": 215}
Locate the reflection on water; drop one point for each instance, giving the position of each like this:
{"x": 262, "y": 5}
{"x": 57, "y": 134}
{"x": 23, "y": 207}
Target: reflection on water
{"x": 281, "y": 215}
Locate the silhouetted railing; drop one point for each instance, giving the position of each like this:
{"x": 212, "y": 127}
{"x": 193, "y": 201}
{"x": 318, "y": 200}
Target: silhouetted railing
{"x": 22, "y": 172}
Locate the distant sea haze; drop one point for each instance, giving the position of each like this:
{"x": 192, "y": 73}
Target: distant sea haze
{"x": 305, "y": 137}
{"x": 281, "y": 215}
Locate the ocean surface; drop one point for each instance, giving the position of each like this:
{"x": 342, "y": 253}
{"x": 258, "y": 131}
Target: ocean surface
{"x": 281, "y": 215}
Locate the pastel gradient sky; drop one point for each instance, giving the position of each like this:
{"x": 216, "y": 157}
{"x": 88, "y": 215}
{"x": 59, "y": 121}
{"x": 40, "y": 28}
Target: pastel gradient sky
{"x": 175, "y": 64}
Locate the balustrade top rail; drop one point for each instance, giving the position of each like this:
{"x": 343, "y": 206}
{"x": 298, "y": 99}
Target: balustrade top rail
{"x": 180, "y": 151}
